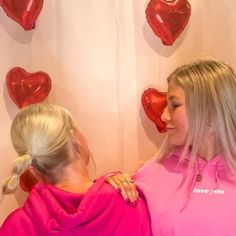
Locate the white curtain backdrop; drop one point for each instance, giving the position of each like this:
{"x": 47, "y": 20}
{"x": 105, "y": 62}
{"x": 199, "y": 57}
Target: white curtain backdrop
{"x": 101, "y": 55}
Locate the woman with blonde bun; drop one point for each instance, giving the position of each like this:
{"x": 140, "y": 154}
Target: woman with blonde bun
{"x": 65, "y": 201}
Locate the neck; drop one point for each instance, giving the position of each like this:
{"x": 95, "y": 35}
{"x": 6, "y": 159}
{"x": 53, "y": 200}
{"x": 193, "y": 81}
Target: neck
{"x": 75, "y": 178}
{"x": 208, "y": 155}
{"x": 210, "y": 149}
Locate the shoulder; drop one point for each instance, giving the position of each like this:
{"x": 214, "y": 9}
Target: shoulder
{"x": 104, "y": 192}
{"x": 113, "y": 204}
{"x": 153, "y": 168}
{"x": 19, "y": 222}
{"x": 101, "y": 189}
{"x": 16, "y": 216}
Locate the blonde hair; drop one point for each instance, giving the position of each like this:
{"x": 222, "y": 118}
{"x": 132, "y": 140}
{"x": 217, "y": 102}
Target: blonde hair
{"x": 40, "y": 135}
{"x": 210, "y": 88}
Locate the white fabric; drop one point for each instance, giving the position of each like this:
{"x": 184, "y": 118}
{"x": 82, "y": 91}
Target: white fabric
{"x": 101, "y": 55}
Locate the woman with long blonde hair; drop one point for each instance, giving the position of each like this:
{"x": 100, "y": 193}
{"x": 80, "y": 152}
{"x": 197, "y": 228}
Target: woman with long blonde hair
{"x": 190, "y": 185}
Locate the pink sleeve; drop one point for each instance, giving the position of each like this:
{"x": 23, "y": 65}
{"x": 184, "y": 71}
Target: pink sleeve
{"x": 17, "y": 223}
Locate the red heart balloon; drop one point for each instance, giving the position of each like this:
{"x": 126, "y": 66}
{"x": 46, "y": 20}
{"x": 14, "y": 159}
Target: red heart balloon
{"x": 154, "y": 102}
{"x": 168, "y": 18}
{"x": 27, "y": 88}
{"x": 24, "y": 12}
{"x": 27, "y": 181}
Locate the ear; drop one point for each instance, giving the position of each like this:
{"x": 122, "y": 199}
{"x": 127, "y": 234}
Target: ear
{"x": 210, "y": 127}
{"x": 80, "y": 145}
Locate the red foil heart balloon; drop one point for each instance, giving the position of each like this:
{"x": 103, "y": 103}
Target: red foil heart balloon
{"x": 154, "y": 102}
{"x": 168, "y": 18}
{"x": 27, "y": 88}
{"x": 27, "y": 181}
{"x": 24, "y": 12}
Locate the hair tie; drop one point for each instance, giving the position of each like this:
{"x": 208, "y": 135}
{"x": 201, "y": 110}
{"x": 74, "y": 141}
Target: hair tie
{"x": 15, "y": 175}
{"x": 27, "y": 156}
{"x": 21, "y": 163}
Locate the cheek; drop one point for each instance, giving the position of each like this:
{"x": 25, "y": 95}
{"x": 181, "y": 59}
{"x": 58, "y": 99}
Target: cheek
{"x": 186, "y": 123}
{"x": 182, "y": 120}
{"x": 83, "y": 146}
{"x": 179, "y": 136}
{"x": 84, "y": 150}
{"x": 182, "y": 124}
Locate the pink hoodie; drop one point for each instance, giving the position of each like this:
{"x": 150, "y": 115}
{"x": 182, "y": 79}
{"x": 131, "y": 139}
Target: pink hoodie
{"x": 101, "y": 211}
{"x": 183, "y": 204}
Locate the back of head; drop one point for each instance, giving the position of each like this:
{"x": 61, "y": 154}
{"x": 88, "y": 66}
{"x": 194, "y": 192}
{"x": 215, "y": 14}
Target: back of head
{"x": 40, "y": 135}
{"x": 210, "y": 90}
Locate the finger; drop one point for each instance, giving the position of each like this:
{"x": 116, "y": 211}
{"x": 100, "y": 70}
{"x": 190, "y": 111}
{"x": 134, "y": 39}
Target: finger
{"x": 126, "y": 186}
{"x": 133, "y": 193}
{"x": 113, "y": 183}
{"x": 116, "y": 182}
{"x": 133, "y": 190}
{"x": 130, "y": 190}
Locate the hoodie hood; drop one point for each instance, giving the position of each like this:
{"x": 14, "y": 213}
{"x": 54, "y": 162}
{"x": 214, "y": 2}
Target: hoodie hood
{"x": 63, "y": 210}
{"x": 66, "y": 210}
